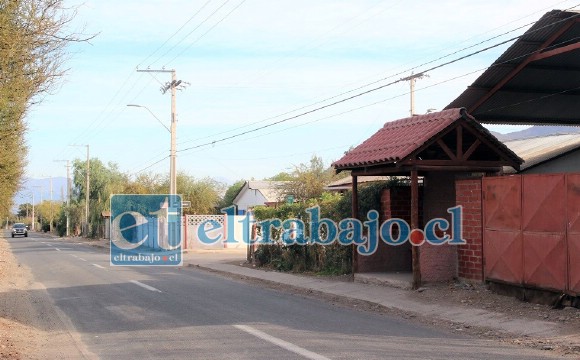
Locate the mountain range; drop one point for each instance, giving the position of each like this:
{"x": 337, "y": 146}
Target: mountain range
{"x": 535, "y": 131}
{"x": 41, "y": 189}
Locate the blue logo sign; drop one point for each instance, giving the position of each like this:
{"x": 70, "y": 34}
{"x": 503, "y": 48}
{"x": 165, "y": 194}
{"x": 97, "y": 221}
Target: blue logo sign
{"x": 146, "y": 230}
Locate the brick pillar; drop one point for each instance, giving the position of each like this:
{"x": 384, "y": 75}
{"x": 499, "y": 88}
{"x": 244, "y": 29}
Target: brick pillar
{"x": 470, "y": 256}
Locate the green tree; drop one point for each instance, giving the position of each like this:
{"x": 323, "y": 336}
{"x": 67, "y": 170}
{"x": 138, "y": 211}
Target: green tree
{"x": 231, "y": 194}
{"x": 33, "y": 39}
{"x": 146, "y": 183}
{"x": 104, "y": 181}
{"x": 308, "y": 180}
{"x": 204, "y": 194}
{"x": 24, "y": 210}
{"x": 281, "y": 176}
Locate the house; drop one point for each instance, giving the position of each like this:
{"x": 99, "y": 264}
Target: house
{"x": 254, "y": 193}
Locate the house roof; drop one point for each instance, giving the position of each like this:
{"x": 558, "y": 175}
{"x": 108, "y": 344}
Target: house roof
{"x": 269, "y": 189}
{"x": 398, "y": 140}
{"x": 535, "y": 81}
{"x": 346, "y": 182}
{"x": 537, "y": 150}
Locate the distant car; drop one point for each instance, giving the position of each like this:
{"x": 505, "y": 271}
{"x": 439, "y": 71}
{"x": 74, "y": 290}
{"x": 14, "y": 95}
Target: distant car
{"x": 19, "y": 229}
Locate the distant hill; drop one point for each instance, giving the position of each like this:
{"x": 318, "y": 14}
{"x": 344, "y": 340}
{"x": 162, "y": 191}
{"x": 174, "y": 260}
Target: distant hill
{"x": 536, "y": 131}
{"x": 41, "y": 189}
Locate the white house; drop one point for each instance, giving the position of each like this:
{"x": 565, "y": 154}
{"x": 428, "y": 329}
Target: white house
{"x": 255, "y": 193}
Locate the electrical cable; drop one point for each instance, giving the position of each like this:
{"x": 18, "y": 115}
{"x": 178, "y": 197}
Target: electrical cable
{"x": 175, "y": 33}
{"x": 205, "y": 33}
{"x": 400, "y": 73}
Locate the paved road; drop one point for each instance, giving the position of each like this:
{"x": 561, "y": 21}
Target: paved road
{"x": 184, "y": 313}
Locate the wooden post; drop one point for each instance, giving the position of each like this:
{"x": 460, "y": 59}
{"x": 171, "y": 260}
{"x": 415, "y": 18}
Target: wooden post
{"x": 355, "y": 216}
{"x": 415, "y": 225}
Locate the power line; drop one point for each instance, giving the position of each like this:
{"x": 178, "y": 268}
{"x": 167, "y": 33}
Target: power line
{"x": 176, "y": 32}
{"x": 150, "y": 166}
{"x": 343, "y": 100}
{"x": 191, "y": 32}
{"x": 361, "y": 94}
{"x": 205, "y": 33}
{"x": 400, "y": 73}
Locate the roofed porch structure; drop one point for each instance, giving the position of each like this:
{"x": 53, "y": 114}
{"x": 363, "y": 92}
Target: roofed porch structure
{"x": 438, "y": 147}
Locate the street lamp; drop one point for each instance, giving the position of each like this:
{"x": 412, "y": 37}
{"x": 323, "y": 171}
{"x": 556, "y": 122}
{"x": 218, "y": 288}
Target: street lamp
{"x": 172, "y": 152}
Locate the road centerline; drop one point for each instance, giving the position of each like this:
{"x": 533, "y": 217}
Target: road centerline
{"x": 281, "y": 343}
{"x": 97, "y": 265}
{"x": 145, "y": 286}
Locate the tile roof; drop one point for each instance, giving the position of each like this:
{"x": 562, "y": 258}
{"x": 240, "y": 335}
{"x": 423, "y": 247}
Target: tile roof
{"x": 398, "y": 139}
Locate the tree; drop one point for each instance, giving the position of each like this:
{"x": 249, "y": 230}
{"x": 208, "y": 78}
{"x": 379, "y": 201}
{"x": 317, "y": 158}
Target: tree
{"x": 231, "y": 193}
{"x": 105, "y": 180}
{"x": 281, "y": 176}
{"x": 204, "y": 194}
{"x": 24, "y": 210}
{"x": 33, "y": 41}
{"x": 308, "y": 180}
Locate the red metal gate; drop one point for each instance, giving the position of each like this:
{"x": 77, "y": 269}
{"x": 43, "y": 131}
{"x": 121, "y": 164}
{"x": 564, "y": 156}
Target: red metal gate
{"x": 502, "y": 240}
{"x": 531, "y": 231}
{"x": 573, "y": 205}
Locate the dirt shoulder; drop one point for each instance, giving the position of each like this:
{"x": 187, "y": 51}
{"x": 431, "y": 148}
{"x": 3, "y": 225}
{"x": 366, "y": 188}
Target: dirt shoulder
{"x": 30, "y": 325}
{"x": 18, "y": 340}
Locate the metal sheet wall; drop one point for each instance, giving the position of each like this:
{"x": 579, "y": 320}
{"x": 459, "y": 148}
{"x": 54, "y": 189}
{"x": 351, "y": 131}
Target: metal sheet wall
{"x": 531, "y": 231}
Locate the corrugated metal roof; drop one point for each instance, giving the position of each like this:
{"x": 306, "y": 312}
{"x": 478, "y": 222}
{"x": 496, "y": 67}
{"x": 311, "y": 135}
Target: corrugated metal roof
{"x": 545, "y": 90}
{"x": 537, "y": 150}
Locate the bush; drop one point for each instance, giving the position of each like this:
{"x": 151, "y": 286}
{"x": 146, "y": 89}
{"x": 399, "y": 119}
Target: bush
{"x": 332, "y": 259}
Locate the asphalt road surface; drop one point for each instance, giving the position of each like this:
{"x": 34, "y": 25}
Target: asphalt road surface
{"x": 185, "y": 313}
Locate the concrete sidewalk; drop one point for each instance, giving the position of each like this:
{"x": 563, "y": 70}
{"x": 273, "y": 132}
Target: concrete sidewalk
{"x": 389, "y": 297}
{"x": 230, "y": 260}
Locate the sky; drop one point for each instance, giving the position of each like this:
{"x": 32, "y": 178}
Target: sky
{"x": 249, "y": 63}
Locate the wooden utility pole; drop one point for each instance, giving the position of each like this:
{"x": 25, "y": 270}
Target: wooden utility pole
{"x": 411, "y": 79}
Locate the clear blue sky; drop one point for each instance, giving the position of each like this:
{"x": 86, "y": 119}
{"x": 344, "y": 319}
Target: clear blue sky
{"x": 248, "y": 61}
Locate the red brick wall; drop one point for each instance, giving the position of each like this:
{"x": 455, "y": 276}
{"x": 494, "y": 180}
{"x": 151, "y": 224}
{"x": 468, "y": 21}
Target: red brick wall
{"x": 470, "y": 256}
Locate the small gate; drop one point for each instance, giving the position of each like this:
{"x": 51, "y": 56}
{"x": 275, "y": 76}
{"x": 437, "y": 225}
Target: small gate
{"x": 531, "y": 233}
{"x": 192, "y": 223}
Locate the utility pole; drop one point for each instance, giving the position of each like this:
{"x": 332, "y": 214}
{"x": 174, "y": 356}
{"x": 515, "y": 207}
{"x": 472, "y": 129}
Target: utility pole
{"x": 33, "y": 217}
{"x": 51, "y": 217}
{"x": 411, "y": 79}
{"x": 68, "y": 189}
{"x": 32, "y": 225}
{"x": 173, "y": 86}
